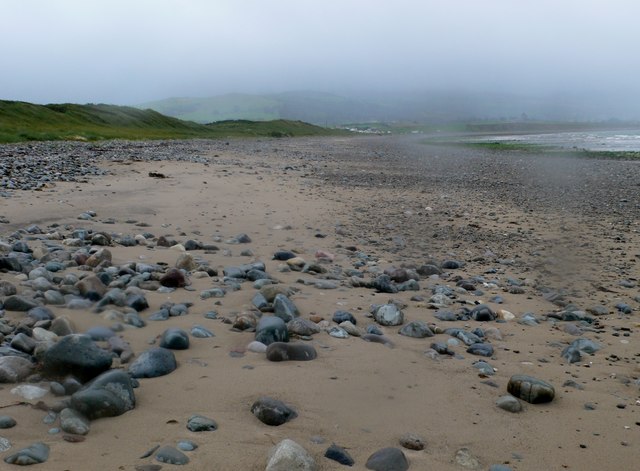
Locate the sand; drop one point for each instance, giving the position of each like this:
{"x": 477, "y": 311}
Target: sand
{"x": 400, "y": 203}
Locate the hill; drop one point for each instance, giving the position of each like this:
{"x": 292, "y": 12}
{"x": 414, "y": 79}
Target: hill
{"x": 21, "y": 121}
{"x": 419, "y": 106}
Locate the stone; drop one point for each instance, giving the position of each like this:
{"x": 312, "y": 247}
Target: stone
{"x": 170, "y": 455}
{"x": 272, "y": 411}
{"x": 301, "y": 326}
{"x": 530, "y": 389}
{"x": 108, "y": 395}
{"x": 174, "y": 339}
{"x": 200, "y": 423}
{"x": 481, "y": 349}
{"x": 14, "y": 369}
{"x": 174, "y": 278}
{"x": 152, "y": 363}
{"x": 388, "y": 459}
{"x": 23, "y": 342}
{"x": 78, "y": 355}
{"x": 411, "y": 441}
{"x": 4, "y": 445}
{"x": 338, "y": 332}
{"x": 482, "y": 313}
{"x": 72, "y": 421}
{"x": 289, "y": 456}
{"x": 201, "y": 332}
{"x": 416, "y": 329}
{"x": 19, "y": 303}
{"x": 100, "y": 257}
{"x": 7, "y": 422}
{"x": 41, "y": 313}
{"x": 465, "y": 458}
{"x": 33, "y": 454}
{"x": 339, "y": 454}
{"x": 284, "y": 308}
{"x": 281, "y": 351}
{"x": 341, "y": 316}
{"x": 388, "y": 315}
{"x": 271, "y": 329}
{"x": 509, "y": 403}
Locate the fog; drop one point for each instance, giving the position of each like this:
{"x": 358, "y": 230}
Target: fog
{"x": 128, "y": 52}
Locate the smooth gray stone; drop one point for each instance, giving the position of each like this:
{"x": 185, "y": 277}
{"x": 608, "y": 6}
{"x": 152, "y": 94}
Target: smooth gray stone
{"x": 19, "y": 303}
{"x": 302, "y": 326}
{"x": 482, "y": 313}
{"x": 284, "y": 308}
{"x": 530, "y": 389}
{"x": 339, "y": 454}
{"x": 171, "y": 455}
{"x": 200, "y": 423}
{"x": 72, "y": 421}
{"x": 272, "y": 411}
{"x": 109, "y": 395}
{"x": 77, "y": 355}
{"x": 187, "y": 445}
{"x": 416, "y": 329}
{"x": 33, "y": 454}
{"x": 160, "y": 315}
{"x": 23, "y": 342}
{"x": 7, "y": 421}
{"x": 288, "y": 456}
{"x": 388, "y": 459}
{"x": 100, "y": 333}
{"x": 340, "y": 316}
{"x": 271, "y": 329}
{"x": 260, "y": 302}
{"x": 509, "y": 403}
{"x": 388, "y": 315}
{"x": 201, "y": 332}
{"x": 174, "y": 339}
{"x": 481, "y": 349}
{"x": 152, "y": 363}
{"x": 284, "y": 351}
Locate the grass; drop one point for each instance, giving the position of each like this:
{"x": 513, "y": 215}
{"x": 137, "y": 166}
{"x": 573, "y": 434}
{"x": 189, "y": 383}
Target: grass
{"x": 21, "y": 121}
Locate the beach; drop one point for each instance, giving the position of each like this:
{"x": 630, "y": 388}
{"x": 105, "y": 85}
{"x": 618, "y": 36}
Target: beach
{"x": 550, "y": 245}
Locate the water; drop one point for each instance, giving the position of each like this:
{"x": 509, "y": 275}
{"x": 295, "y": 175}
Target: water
{"x": 615, "y": 140}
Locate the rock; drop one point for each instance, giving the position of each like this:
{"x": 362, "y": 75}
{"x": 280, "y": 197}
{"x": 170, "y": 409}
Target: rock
{"x": 573, "y": 352}
{"x": 284, "y": 308}
{"x": 416, "y": 329}
{"x": 272, "y": 411}
{"x": 338, "y": 332}
{"x": 388, "y": 315}
{"x": 19, "y": 303}
{"x": 350, "y": 329}
{"x": 411, "y": 441}
{"x": 281, "y": 351}
{"x": 77, "y": 355}
{"x": 340, "y": 316}
{"x": 29, "y": 391}
{"x": 509, "y": 403}
{"x": 383, "y": 284}
{"x": 14, "y": 369}
{"x": 283, "y": 255}
{"x": 62, "y": 326}
{"x": 200, "y": 423}
{"x": 301, "y": 326}
{"x": 530, "y": 389}
{"x": 154, "y": 362}
{"x": 23, "y": 342}
{"x": 271, "y": 329}
{"x": 465, "y": 459}
{"x": 33, "y": 454}
{"x": 201, "y": 332}
{"x": 72, "y": 421}
{"x": 137, "y": 302}
{"x": 41, "y": 313}
{"x": 481, "y": 349}
{"x": 377, "y": 338}
{"x": 174, "y": 278}
{"x": 171, "y": 455}
{"x": 388, "y": 459}
{"x": 482, "y": 313}
{"x": 174, "y": 339}
{"x": 100, "y": 257}
{"x": 289, "y": 456}
{"x": 339, "y": 454}
{"x": 108, "y": 395}
{"x": 7, "y": 422}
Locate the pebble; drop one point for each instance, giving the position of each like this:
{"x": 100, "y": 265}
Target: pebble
{"x": 288, "y": 456}
{"x": 271, "y": 329}
{"x": 388, "y": 315}
{"x": 33, "y": 454}
{"x": 509, "y": 403}
{"x": 388, "y": 459}
{"x": 416, "y": 329}
{"x": 281, "y": 351}
{"x": 72, "y": 421}
{"x": 272, "y": 411}
{"x": 152, "y": 363}
{"x": 411, "y": 441}
{"x": 339, "y": 454}
{"x": 7, "y": 422}
{"x": 200, "y": 423}
{"x": 174, "y": 339}
{"x": 530, "y": 389}
{"x": 171, "y": 455}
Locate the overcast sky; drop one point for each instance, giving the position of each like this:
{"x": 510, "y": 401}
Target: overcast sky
{"x": 132, "y": 51}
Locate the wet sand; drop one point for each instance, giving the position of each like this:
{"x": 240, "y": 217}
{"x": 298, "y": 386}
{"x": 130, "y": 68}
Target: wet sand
{"x": 556, "y": 224}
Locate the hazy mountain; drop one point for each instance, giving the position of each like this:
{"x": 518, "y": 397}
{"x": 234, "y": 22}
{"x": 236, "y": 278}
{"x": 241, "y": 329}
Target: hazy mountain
{"x": 420, "y": 106}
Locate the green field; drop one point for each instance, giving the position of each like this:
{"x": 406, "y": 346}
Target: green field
{"x": 20, "y": 121}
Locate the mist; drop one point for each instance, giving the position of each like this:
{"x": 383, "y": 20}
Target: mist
{"x": 125, "y": 52}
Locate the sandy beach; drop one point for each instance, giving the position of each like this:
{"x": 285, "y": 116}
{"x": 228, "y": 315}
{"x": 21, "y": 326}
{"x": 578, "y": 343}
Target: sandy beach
{"x": 548, "y": 236}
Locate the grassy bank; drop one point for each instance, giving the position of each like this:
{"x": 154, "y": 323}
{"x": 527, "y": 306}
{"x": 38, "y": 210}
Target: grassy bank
{"x": 20, "y": 121}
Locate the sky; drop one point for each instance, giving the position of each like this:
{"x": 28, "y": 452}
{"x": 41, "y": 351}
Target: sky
{"x": 134, "y": 51}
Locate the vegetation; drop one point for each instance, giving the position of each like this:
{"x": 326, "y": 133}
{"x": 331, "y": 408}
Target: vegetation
{"x": 20, "y": 121}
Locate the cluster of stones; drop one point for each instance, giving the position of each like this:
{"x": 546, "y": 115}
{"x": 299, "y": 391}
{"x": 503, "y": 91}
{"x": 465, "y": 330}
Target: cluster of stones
{"x": 82, "y": 367}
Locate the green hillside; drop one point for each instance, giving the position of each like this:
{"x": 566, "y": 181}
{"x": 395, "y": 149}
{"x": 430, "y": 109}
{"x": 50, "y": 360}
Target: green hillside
{"x": 20, "y": 121}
